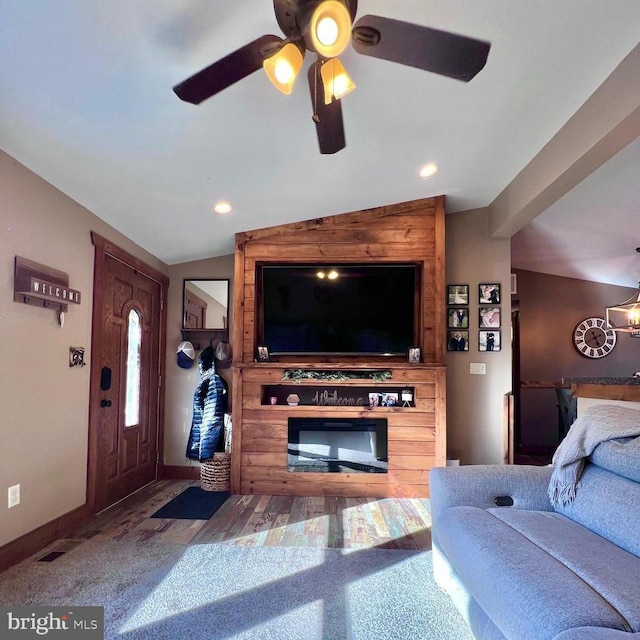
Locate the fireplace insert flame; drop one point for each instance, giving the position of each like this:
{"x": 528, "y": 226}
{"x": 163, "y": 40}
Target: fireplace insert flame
{"x": 337, "y": 445}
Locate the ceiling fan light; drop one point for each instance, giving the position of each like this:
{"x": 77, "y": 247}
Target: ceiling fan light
{"x": 336, "y": 80}
{"x": 283, "y": 67}
{"x": 330, "y": 28}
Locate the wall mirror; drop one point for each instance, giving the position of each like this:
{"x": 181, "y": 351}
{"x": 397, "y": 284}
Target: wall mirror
{"x": 205, "y": 304}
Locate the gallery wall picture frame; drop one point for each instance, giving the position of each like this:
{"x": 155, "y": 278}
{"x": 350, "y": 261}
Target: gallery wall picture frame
{"x": 489, "y": 317}
{"x": 457, "y": 294}
{"x": 458, "y": 318}
{"x": 489, "y": 293}
{"x": 457, "y": 340}
{"x": 489, "y": 340}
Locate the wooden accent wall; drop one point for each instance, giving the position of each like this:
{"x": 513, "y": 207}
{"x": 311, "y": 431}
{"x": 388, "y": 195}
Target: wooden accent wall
{"x": 406, "y": 232}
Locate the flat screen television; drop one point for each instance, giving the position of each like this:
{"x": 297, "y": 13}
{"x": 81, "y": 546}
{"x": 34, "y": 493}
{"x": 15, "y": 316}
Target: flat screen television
{"x": 343, "y": 309}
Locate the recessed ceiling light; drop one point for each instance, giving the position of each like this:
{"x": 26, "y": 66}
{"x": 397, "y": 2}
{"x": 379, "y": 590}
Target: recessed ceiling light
{"x": 223, "y": 207}
{"x": 429, "y": 169}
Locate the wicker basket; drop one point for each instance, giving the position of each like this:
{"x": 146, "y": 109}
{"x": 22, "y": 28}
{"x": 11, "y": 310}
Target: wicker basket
{"x": 215, "y": 473}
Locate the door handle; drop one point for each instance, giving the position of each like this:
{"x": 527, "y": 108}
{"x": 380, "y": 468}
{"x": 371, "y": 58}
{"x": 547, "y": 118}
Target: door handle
{"x": 105, "y": 403}
{"x": 105, "y": 378}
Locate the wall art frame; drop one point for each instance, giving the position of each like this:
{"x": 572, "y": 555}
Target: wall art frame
{"x": 489, "y": 293}
{"x": 458, "y": 318}
{"x": 457, "y": 340}
{"x": 489, "y": 340}
{"x": 458, "y": 294}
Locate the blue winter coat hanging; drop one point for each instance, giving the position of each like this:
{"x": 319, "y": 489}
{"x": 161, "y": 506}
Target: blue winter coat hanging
{"x": 209, "y": 400}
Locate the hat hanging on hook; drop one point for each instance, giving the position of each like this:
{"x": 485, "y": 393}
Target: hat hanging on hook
{"x": 186, "y": 355}
{"x": 223, "y": 355}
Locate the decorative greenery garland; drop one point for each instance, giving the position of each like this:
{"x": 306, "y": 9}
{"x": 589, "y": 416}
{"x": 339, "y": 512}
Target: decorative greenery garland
{"x": 296, "y": 375}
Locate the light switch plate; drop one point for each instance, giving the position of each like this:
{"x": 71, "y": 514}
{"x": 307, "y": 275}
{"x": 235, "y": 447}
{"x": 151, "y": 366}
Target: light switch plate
{"x": 479, "y": 368}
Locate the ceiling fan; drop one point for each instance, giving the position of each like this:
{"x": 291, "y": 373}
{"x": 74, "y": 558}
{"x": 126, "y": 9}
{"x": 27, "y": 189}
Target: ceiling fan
{"x": 325, "y": 27}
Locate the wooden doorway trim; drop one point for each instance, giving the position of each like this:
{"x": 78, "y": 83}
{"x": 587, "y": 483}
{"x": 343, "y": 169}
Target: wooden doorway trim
{"x": 104, "y": 248}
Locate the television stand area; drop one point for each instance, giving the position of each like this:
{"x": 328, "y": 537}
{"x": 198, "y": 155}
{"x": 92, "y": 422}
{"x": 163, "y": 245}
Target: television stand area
{"x": 300, "y": 427}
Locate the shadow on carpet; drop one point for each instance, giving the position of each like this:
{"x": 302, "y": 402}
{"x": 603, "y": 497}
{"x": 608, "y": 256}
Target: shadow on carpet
{"x": 227, "y": 592}
{"x": 193, "y": 503}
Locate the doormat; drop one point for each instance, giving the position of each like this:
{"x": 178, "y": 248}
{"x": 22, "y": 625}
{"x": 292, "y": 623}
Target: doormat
{"x": 193, "y": 503}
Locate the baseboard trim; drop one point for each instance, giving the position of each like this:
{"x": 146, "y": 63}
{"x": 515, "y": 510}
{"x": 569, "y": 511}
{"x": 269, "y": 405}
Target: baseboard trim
{"x": 30, "y": 543}
{"x": 174, "y": 472}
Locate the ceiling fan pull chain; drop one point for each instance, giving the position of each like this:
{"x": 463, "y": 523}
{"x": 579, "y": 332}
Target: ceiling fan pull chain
{"x": 315, "y": 117}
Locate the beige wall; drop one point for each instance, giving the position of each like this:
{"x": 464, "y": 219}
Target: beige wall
{"x": 181, "y": 383}
{"x": 474, "y": 402}
{"x": 43, "y": 402}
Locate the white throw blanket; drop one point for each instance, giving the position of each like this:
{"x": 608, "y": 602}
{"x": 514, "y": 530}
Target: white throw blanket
{"x": 597, "y": 424}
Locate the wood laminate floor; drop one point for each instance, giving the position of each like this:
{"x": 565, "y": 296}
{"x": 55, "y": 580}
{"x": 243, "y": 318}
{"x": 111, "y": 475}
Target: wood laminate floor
{"x": 392, "y": 523}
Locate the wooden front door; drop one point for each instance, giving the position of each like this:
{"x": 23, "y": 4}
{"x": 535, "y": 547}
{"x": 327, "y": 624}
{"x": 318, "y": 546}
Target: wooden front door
{"x": 126, "y": 381}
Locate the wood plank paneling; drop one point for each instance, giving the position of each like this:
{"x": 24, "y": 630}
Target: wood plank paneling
{"x": 410, "y": 232}
{"x": 381, "y": 250}
{"x": 399, "y": 448}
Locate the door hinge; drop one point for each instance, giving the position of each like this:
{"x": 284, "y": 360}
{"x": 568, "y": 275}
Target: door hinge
{"x": 157, "y": 457}
{"x": 161, "y": 304}
{"x": 159, "y": 381}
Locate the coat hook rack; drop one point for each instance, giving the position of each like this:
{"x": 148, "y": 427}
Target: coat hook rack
{"x": 41, "y": 286}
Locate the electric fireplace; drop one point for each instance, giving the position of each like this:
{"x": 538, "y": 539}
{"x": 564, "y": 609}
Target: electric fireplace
{"x": 337, "y": 445}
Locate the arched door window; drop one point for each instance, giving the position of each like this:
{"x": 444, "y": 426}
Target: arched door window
{"x": 134, "y": 342}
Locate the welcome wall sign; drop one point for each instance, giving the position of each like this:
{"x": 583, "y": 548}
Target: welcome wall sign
{"x": 42, "y": 286}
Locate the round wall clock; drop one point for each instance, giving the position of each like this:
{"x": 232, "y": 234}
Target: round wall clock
{"x": 593, "y": 339}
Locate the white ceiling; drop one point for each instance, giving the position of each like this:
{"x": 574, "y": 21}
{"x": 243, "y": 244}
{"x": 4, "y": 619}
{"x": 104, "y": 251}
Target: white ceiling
{"x": 593, "y": 231}
{"x": 86, "y": 102}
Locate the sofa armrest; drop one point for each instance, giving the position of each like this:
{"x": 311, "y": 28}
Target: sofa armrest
{"x": 480, "y": 485}
{"x": 596, "y": 633}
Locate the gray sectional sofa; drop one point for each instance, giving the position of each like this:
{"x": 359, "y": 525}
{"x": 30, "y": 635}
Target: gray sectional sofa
{"x": 543, "y": 566}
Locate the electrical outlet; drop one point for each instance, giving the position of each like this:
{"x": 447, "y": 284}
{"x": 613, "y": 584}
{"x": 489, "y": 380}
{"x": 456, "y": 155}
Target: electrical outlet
{"x": 14, "y": 495}
{"x": 478, "y": 368}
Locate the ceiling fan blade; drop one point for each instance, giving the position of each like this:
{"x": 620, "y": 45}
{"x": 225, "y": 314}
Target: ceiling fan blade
{"x": 328, "y": 117}
{"x": 441, "y": 52}
{"x": 227, "y": 70}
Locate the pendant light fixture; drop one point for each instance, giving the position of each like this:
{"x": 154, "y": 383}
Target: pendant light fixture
{"x": 625, "y": 317}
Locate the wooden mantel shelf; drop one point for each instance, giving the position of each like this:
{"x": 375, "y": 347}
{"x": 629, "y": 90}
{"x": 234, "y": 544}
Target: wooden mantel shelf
{"x": 347, "y": 366}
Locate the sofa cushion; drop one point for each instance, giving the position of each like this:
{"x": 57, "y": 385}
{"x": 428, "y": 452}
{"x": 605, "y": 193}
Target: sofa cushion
{"x": 621, "y": 456}
{"x": 607, "y": 504}
{"x": 611, "y": 571}
{"x": 525, "y": 591}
